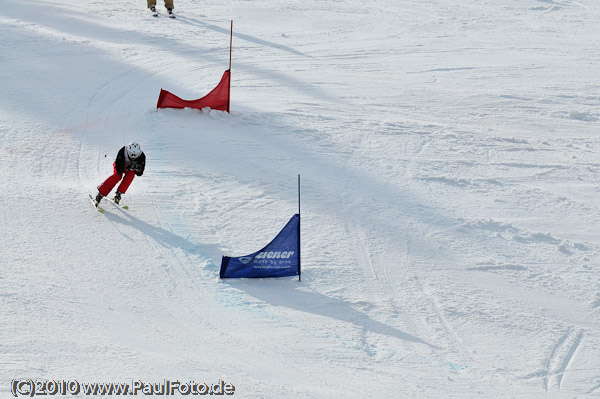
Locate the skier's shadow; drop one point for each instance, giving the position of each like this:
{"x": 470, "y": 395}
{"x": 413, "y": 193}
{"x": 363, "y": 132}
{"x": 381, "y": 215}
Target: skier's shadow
{"x": 158, "y": 234}
{"x": 291, "y": 295}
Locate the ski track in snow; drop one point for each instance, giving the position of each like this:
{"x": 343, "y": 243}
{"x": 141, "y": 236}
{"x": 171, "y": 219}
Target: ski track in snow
{"x": 561, "y": 358}
{"x": 448, "y": 153}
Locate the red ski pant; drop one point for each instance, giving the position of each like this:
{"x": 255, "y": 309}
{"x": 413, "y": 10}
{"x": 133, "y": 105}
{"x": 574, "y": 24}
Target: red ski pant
{"x": 106, "y": 187}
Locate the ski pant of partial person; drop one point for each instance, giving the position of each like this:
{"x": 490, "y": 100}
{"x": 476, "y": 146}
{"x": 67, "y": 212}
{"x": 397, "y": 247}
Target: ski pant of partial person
{"x": 168, "y": 3}
{"x": 106, "y": 187}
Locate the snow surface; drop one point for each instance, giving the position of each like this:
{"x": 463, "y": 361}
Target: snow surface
{"x": 449, "y": 154}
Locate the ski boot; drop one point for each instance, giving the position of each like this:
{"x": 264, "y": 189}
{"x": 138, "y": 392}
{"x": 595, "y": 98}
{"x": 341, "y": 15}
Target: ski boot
{"x": 117, "y": 198}
{"x": 98, "y": 199}
{"x": 170, "y": 11}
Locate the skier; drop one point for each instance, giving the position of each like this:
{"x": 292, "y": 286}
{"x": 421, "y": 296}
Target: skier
{"x": 130, "y": 161}
{"x": 168, "y": 6}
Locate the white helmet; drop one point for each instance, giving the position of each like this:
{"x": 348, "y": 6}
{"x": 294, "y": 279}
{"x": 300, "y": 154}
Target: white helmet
{"x": 134, "y": 150}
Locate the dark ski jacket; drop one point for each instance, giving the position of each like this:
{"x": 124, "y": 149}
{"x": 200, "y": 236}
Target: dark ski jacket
{"x": 123, "y": 163}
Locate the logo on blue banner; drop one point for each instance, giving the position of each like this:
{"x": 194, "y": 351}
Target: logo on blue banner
{"x": 280, "y": 258}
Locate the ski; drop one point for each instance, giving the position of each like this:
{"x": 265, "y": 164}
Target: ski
{"x": 156, "y": 14}
{"x": 119, "y": 205}
{"x": 93, "y": 200}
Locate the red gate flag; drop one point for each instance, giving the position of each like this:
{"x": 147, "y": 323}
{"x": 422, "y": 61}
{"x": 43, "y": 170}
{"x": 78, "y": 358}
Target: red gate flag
{"x": 217, "y": 99}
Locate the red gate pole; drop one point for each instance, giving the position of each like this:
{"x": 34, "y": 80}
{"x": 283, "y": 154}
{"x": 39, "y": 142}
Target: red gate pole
{"x": 230, "y": 49}
{"x": 230, "y": 43}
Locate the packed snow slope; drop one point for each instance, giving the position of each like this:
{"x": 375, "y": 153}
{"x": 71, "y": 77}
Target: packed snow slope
{"x": 449, "y": 154}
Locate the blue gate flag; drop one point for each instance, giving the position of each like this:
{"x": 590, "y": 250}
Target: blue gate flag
{"x": 280, "y": 258}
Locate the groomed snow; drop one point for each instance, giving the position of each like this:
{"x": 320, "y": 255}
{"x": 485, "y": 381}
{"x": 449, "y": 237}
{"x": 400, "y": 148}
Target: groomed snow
{"x": 449, "y": 154}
